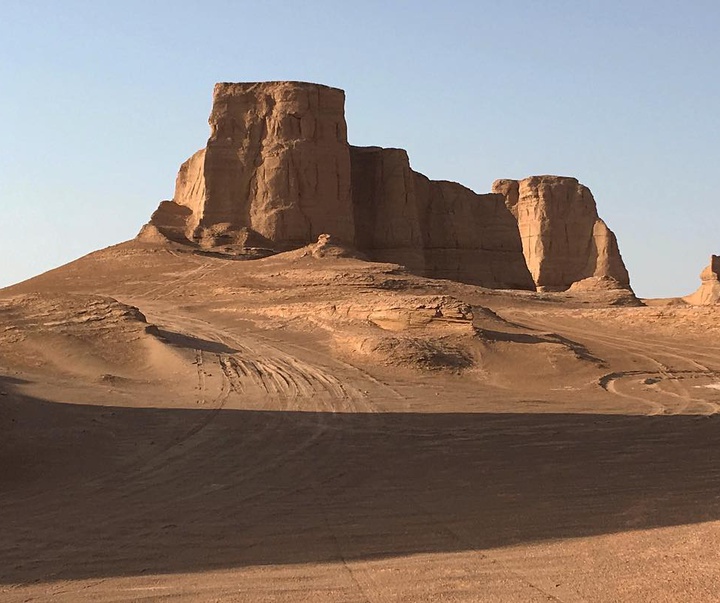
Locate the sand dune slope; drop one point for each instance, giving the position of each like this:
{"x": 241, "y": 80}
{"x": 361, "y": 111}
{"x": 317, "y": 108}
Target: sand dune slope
{"x": 181, "y": 426}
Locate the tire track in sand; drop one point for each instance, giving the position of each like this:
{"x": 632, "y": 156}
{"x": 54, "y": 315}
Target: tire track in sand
{"x": 656, "y": 355}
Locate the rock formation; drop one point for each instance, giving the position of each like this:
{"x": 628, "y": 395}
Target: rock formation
{"x": 436, "y": 228}
{"x": 278, "y": 171}
{"x": 276, "y": 165}
{"x": 563, "y": 238}
{"x": 709, "y": 291}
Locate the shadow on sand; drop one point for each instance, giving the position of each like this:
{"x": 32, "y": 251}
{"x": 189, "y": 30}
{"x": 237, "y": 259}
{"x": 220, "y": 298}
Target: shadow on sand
{"x": 89, "y": 491}
{"x": 188, "y": 341}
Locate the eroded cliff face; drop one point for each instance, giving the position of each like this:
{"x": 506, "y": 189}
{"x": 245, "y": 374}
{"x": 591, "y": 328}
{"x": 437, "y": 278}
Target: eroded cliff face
{"x": 563, "y": 238}
{"x": 436, "y": 228}
{"x": 277, "y": 164}
{"x": 278, "y": 172}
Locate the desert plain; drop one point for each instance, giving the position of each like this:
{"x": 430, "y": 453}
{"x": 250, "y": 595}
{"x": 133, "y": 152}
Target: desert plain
{"x": 258, "y": 433}
{"x": 203, "y": 421}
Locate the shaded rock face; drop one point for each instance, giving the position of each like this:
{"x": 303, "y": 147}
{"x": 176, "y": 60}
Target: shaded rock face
{"x": 278, "y": 171}
{"x": 436, "y": 228}
{"x": 709, "y": 291}
{"x": 563, "y": 238}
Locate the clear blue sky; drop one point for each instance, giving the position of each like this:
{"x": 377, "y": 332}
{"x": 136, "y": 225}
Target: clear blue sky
{"x": 100, "y": 102}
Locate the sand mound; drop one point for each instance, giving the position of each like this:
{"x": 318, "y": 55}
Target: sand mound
{"x": 325, "y": 247}
{"x": 82, "y": 335}
{"x": 429, "y": 332}
{"x": 597, "y": 283}
{"x": 603, "y": 290}
{"x": 440, "y": 333}
{"x": 25, "y": 315}
{"x": 423, "y": 353}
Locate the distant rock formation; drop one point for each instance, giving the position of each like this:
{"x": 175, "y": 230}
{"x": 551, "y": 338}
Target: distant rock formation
{"x": 564, "y": 240}
{"x": 709, "y": 291}
{"x": 278, "y": 171}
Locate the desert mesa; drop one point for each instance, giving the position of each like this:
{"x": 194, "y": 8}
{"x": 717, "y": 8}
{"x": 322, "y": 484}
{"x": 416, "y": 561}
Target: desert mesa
{"x": 317, "y": 374}
{"x": 277, "y": 172}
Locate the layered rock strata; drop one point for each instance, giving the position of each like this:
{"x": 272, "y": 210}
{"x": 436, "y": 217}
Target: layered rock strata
{"x": 709, "y": 291}
{"x": 278, "y": 172}
{"x": 563, "y": 238}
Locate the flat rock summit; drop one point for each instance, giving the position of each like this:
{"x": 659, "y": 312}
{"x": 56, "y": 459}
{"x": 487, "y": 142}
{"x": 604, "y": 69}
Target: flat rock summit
{"x": 277, "y": 172}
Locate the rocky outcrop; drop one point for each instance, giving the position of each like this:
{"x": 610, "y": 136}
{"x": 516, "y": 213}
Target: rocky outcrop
{"x": 602, "y": 291}
{"x": 168, "y": 222}
{"x": 709, "y": 291}
{"x": 436, "y": 228}
{"x": 278, "y": 171}
{"x": 276, "y": 164}
{"x": 563, "y": 238}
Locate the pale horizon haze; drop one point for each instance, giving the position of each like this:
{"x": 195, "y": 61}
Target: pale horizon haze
{"x": 102, "y": 101}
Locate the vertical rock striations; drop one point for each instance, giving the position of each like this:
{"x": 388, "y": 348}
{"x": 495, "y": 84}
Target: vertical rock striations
{"x": 436, "y": 228}
{"x": 277, "y": 165}
{"x": 278, "y": 171}
{"x": 387, "y": 211}
{"x": 563, "y": 238}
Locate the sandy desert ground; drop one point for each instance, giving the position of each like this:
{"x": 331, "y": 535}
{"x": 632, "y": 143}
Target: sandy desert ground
{"x": 179, "y": 426}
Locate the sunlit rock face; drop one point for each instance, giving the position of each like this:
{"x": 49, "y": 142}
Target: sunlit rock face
{"x": 709, "y": 291}
{"x": 563, "y": 238}
{"x": 277, "y": 163}
{"x": 277, "y": 172}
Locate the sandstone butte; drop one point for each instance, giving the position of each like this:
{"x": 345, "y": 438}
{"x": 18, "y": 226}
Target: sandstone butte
{"x": 709, "y": 291}
{"x": 277, "y": 172}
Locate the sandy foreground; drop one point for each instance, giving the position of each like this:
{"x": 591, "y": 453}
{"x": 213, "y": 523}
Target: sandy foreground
{"x": 176, "y": 426}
